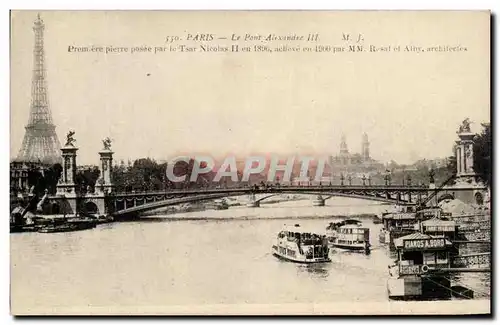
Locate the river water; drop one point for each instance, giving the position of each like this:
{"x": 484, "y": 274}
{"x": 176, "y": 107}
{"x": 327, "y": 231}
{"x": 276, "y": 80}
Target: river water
{"x": 161, "y": 262}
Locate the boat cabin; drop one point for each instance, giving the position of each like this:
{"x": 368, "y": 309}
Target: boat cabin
{"x": 399, "y": 221}
{"x": 305, "y": 236}
{"x": 352, "y": 234}
{"x": 419, "y": 253}
{"x": 439, "y": 227}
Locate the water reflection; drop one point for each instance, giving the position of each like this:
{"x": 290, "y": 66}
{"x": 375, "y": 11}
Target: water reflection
{"x": 316, "y": 270}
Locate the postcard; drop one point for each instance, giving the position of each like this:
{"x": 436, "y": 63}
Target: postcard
{"x": 250, "y": 163}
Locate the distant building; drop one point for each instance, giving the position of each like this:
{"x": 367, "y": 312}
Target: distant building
{"x": 19, "y": 175}
{"x": 365, "y": 148}
{"x": 354, "y": 162}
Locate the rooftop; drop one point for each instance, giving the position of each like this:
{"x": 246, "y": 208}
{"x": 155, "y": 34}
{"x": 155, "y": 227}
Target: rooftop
{"x": 398, "y": 242}
{"x": 303, "y": 229}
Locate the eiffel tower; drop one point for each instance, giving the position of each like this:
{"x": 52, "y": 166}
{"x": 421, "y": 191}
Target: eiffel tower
{"x": 40, "y": 143}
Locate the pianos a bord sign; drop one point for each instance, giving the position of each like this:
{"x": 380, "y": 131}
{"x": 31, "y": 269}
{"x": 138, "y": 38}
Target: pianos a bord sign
{"x": 418, "y": 244}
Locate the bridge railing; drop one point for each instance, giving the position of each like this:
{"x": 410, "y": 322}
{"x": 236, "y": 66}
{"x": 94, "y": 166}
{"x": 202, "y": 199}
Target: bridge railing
{"x": 275, "y": 187}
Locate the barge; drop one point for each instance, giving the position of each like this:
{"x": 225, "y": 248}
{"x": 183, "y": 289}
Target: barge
{"x": 416, "y": 275}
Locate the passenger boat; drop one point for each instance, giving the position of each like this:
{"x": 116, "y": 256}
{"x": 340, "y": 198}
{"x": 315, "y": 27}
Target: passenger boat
{"x": 349, "y": 235}
{"x": 296, "y": 244}
{"x": 420, "y": 269}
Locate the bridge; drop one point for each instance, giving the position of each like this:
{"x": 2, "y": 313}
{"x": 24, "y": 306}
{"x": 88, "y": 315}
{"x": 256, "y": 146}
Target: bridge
{"x": 104, "y": 200}
{"x": 134, "y": 203}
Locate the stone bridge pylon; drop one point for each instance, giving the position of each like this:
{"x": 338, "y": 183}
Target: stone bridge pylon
{"x": 66, "y": 196}
{"x": 68, "y": 200}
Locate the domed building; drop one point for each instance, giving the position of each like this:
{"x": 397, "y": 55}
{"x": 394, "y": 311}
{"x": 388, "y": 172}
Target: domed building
{"x": 345, "y": 161}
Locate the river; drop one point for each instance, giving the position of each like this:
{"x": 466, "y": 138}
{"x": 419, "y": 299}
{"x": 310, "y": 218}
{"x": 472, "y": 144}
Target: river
{"x": 161, "y": 262}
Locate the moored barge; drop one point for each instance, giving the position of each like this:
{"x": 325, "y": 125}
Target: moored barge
{"x": 416, "y": 275}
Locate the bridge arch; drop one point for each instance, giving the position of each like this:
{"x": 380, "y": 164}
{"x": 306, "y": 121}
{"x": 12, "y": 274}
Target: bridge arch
{"x": 446, "y": 196}
{"x": 267, "y": 197}
{"x": 91, "y": 208}
{"x": 55, "y": 208}
{"x": 478, "y": 197}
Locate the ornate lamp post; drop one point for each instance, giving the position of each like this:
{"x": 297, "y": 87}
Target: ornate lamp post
{"x": 342, "y": 179}
{"x": 349, "y": 178}
{"x": 431, "y": 176}
{"x": 387, "y": 179}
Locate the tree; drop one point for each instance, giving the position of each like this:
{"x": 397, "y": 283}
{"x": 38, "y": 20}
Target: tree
{"x": 41, "y": 179}
{"x": 119, "y": 175}
{"x": 86, "y": 180}
{"x": 52, "y": 175}
{"x": 145, "y": 174}
{"x": 35, "y": 180}
{"x": 482, "y": 154}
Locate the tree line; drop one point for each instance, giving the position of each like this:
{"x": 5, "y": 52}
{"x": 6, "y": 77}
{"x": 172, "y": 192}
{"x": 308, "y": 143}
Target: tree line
{"x": 41, "y": 179}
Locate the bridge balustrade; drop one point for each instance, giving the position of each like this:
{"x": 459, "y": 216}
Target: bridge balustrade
{"x": 274, "y": 188}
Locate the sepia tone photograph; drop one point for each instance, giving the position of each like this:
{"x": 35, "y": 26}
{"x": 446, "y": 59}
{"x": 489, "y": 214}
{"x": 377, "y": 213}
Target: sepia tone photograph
{"x": 250, "y": 163}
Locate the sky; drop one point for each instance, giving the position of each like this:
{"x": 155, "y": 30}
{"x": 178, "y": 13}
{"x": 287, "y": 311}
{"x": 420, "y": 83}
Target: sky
{"x": 167, "y": 104}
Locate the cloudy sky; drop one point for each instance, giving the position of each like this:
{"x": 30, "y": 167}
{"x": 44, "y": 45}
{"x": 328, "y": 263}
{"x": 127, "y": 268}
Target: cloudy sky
{"x": 161, "y": 105}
